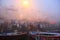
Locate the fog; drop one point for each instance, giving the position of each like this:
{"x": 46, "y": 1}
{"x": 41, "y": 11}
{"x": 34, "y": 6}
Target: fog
{"x": 46, "y": 10}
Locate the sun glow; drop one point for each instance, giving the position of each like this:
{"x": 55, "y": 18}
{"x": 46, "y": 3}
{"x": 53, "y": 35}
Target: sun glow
{"x": 26, "y": 3}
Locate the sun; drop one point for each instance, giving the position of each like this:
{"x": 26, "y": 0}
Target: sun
{"x": 26, "y": 3}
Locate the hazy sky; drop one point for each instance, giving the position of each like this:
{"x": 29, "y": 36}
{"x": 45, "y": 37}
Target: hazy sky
{"x": 49, "y": 9}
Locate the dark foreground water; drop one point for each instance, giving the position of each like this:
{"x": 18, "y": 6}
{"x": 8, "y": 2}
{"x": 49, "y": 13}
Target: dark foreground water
{"x": 17, "y": 37}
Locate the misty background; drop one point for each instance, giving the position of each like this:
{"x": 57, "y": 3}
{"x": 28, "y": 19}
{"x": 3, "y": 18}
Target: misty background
{"x": 46, "y": 10}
